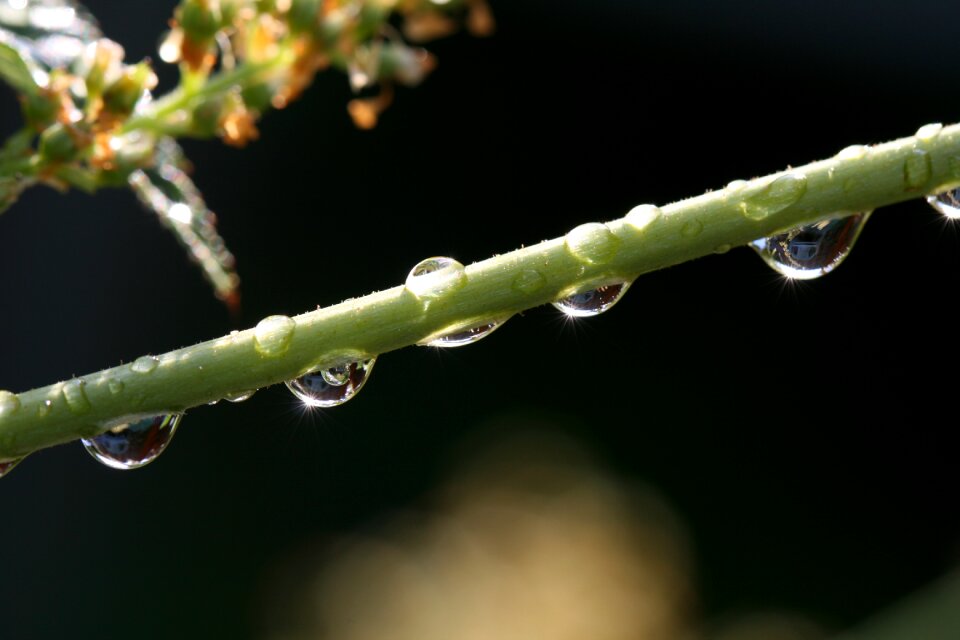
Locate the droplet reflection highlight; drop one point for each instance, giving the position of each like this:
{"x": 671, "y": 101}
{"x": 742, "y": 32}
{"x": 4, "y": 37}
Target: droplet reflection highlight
{"x": 134, "y": 444}
{"x": 592, "y": 302}
{"x": 813, "y": 250}
{"x": 946, "y": 203}
{"x": 332, "y": 386}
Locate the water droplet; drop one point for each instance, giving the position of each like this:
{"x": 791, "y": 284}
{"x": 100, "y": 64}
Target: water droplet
{"x": 735, "y": 186}
{"x": 134, "y": 444}
{"x": 115, "y": 386}
{"x": 239, "y": 396}
{"x": 691, "y": 228}
{"x": 947, "y": 203}
{"x": 44, "y": 408}
{"x": 592, "y": 302}
{"x": 332, "y": 386}
{"x": 75, "y": 395}
{"x": 642, "y": 216}
{"x": 813, "y": 250}
{"x": 461, "y": 337}
{"x": 273, "y": 335}
{"x": 928, "y": 132}
{"x": 723, "y": 248}
{"x": 853, "y": 152}
{"x": 917, "y": 169}
{"x": 775, "y": 197}
{"x": 529, "y": 281}
{"x": 592, "y": 243}
{"x": 145, "y": 364}
{"x": 6, "y": 467}
{"x": 9, "y": 403}
{"x": 434, "y": 277}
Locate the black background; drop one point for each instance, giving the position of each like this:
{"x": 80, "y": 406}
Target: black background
{"x": 805, "y": 433}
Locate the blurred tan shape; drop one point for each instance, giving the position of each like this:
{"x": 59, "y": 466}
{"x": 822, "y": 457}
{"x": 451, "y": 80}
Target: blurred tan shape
{"x": 528, "y": 542}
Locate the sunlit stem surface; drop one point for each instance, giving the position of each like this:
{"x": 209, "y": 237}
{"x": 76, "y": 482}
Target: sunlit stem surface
{"x": 857, "y": 180}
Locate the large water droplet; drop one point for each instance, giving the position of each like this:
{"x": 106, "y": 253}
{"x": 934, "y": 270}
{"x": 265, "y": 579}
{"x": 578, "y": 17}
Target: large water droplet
{"x": 6, "y": 467}
{"x": 775, "y": 197}
{"x": 134, "y": 444}
{"x": 947, "y": 203}
{"x": 812, "y": 250}
{"x": 592, "y": 302}
{"x": 917, "y": 169}
{"x": 273, "y": 334}
{"x": 9, "y": 403}
{"x": 145, "y": 364}
{"x": 434, "y": 277}
{"x": 461, "y": 337}
{"x": 75, "y": 395}
{"x": 592, "y": 243}
{"x": 332, "y": 386}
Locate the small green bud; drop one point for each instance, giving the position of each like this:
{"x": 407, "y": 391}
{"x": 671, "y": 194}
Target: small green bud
{"x": 122, "y": 96}
{"x": 199, "y": 20}
{"x": 303, "y": 15}
{"x": 58, "y": 143}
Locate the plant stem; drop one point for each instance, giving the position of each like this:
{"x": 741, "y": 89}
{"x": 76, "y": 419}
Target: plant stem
{"x": 855, "y": 180}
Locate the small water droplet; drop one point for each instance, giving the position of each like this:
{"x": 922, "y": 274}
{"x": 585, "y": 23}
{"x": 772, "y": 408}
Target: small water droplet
{"x": 213, "y": 402}
{"x": 592, "y": 243}
{"x": 691, "y": 228}
{"x": 273, "y": 335}
{"x": 592, "y": 302}
{"x": 435, "y": 277}
{"x": 529, "y": 281}
{"x": 853, "y": 152}
{"x": 917, "y": 169}
{"x": 332, "y": 386}
{"x": 9, "y": 403}
{"x": 115, "y": 386}
{"x": 947, "y": 203}
{"x": 813, "y": 250}
{"x": 75, "y": 395}
{"x": 775, "y": 197}
{"x": 145, "y": 364}
{"x": 6, "y": 467}
{"x": 735, "y": 186}
{"x": 44, "y": 408}
{"x": 134, "y": 444}
{"x": 642, "y": 216}
{"x": 239, "y": 396}
{"x": 721, "y": 249}
{"x": 461, "y": 337}
{"x": 928, "y": 132}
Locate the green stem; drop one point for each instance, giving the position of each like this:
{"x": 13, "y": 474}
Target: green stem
{"x": 217, "y": 85}
{"x": 494, "y": 288}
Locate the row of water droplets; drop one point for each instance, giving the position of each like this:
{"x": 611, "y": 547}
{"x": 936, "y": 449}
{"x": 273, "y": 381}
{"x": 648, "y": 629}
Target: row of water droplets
{"x": 805, "y": 252}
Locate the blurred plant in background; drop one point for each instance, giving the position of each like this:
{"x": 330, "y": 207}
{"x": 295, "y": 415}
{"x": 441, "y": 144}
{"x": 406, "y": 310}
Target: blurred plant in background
{"x": 91, "y": 121}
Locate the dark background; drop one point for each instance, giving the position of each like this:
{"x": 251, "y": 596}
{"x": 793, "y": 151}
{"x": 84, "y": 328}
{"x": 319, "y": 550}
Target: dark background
{"x": 804, "y": 433}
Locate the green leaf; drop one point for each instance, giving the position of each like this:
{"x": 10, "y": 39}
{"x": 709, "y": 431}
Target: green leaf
{"x": 15, "y": 70}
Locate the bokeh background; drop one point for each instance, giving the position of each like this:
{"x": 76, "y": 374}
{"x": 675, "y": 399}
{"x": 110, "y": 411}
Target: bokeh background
{"x": 723, "y": 454}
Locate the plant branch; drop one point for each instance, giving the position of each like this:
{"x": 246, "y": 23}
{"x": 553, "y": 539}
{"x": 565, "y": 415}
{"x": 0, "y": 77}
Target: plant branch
{"x": 857, "y": 179}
